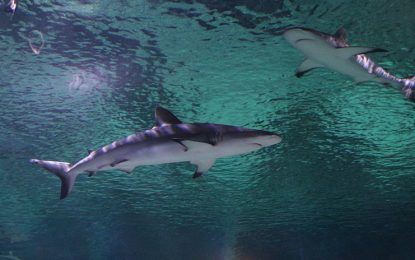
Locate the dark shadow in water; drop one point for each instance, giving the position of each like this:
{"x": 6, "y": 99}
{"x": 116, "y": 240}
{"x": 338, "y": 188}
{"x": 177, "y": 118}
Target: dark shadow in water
{"x": 94, "y": 46}
{"x": 265, "y": 9}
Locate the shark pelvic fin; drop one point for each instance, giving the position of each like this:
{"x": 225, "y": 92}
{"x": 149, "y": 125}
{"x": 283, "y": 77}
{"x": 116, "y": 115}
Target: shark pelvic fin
{"x": 165, "y": 117}
{"x": 202, "y": 166}
{"x": 91, "y": 173}
{"x": 306, "y": 66}
{"x": 348, "y": 52}
{"x": 90, "y": 151}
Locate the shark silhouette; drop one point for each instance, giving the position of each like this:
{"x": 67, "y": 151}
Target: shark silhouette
{"x": 169, "y": 141}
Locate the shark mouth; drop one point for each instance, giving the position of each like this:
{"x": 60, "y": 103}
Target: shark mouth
{"x": 260, "y": 145}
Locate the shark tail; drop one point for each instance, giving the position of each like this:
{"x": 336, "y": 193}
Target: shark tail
{"x": 61, "y": 170}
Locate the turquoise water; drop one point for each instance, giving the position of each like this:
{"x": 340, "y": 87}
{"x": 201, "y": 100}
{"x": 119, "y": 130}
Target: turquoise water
{"x": 340, "y": 185}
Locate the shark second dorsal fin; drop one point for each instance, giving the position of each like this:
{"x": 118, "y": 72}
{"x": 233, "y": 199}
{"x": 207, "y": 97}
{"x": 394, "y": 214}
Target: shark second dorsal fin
{"x": 165, "y": 117}
{"x": 410, "y": 77}
{"x": 341, "y": 35}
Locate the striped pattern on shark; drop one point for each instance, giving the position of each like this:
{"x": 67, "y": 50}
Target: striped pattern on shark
{"x": 333, "y": 52}
{"x": 169, "y": 141}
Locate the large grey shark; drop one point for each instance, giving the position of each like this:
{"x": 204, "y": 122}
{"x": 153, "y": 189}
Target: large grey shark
{"x": 167, "y": 142}
{"x": 333, "y": 52}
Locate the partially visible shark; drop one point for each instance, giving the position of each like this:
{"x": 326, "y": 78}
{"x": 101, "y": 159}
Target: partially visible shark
{"x": 11, "y": 6}
{"x": 333, "y": 52}
{"x": 167, "y": 142}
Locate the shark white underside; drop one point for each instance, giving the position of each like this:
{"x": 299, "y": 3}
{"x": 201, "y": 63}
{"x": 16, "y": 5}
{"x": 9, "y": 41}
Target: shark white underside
{"x": 322, "y": 50}
{"x": 168, "y": 142}
{"x": 340, "y": 60}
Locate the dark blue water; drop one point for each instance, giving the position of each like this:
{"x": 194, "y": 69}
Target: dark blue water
{"x": 341, "y": 185}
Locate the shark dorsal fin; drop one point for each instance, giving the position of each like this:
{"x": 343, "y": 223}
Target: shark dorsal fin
{"x": 410, "y": 77}
{"x": 341, "y": 35}
{"x": 165, "y": 117}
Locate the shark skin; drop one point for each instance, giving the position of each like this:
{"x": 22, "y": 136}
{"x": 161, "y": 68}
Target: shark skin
{"x": 332, "y": 51}
{"x": 168, "y": 142}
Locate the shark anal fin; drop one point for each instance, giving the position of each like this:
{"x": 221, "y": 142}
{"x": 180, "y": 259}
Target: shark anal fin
{"x": 197, "y": 174}
{"x": 306, "y": 66}
{"x": 202, "y": 166}
{"x": 118, "y": 162}
{"x": 91, "y": 173}
{"x": 348, "y": 52}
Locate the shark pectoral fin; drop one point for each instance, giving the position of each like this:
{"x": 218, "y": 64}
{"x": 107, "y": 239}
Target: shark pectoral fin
{"x": 202, "y": 166}
{"x": 185, "y": 148}
{"x": 196, "y": 145}
{"x": 118, "y": 162}
{"x": 306, "y": 66}
{"x": 348, "y": 52}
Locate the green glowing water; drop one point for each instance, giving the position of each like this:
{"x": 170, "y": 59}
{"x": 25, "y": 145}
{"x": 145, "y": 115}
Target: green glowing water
{"x": 339, "y": 186}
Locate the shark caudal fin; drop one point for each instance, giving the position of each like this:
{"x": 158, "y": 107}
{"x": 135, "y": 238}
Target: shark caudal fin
{"x": 61, "y": 170}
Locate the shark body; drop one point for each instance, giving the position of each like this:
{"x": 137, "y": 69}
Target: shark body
{"x": 333, "y": 52}
{"x": 169, "y": 141}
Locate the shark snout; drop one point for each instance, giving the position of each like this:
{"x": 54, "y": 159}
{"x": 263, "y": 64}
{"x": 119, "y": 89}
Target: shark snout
{"x": 35, "y": 161}
{"x": 266, "y": 139}
{"x": 295, "y": 34}
{"x": 273, "y": 139}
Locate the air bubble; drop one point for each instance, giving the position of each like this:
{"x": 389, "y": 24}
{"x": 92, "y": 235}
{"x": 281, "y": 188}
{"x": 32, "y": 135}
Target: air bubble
{"x": 36, "y": 41}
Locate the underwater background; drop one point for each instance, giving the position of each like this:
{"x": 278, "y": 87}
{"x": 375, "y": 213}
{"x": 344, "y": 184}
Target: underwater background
{"x": 341, "y": 184}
